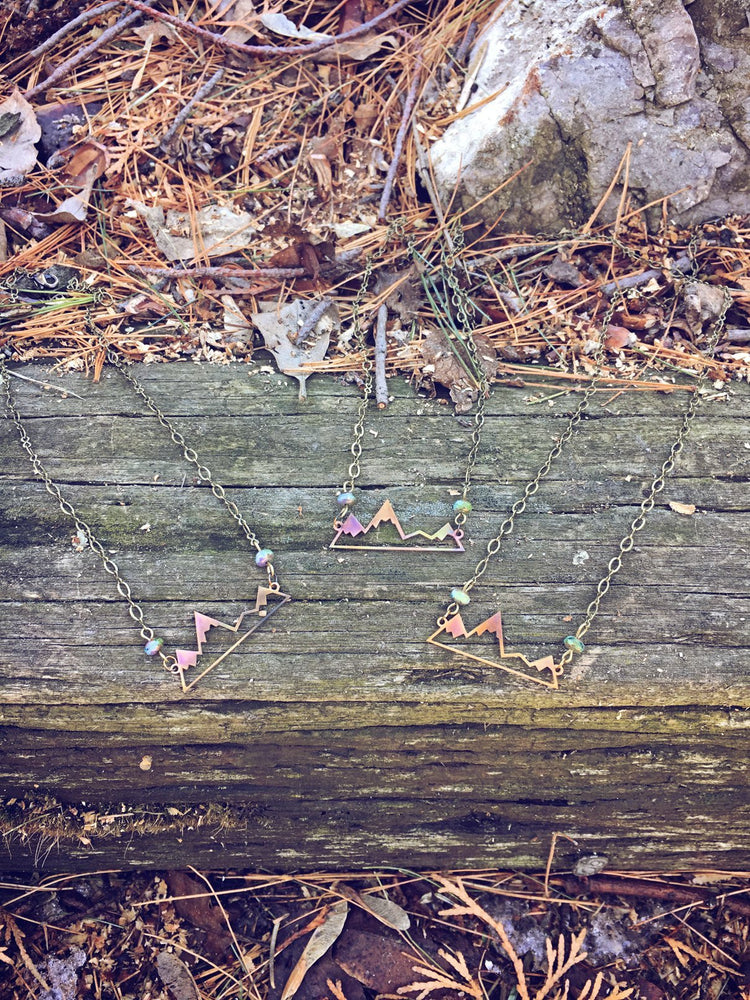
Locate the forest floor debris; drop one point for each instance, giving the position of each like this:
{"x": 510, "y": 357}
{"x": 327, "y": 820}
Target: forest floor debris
{"x": 170, "y": 172}
{"x": 353, "y": 936}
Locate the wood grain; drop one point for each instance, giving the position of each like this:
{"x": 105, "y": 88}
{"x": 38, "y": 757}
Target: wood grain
{"x": 342, "y": 735}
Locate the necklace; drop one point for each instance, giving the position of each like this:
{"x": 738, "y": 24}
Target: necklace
{"x": 268, "y": 599}
{"x": 350, "y": 533}
{"x": 451, "y": 633}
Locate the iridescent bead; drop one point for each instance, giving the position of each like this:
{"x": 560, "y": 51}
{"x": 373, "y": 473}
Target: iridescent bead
{"x": 572, "y": 642}
{"x": 345, "y": 499}
{"x": 462, "y": 506}
{"x": 153, "y": 646}
{"x": 460, "y": 596}
{"x": 264, "y": 557}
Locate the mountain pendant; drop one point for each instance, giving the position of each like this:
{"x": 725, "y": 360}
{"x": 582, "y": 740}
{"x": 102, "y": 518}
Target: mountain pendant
{"x": 534, "y": 669}
{"x": 186, "y": 658}
{"x": 445, "y": 539}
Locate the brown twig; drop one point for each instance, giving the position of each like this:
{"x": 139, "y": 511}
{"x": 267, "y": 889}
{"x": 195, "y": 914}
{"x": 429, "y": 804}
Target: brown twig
{"x": 49, "y": 43}
{"x": 381, "y": 347}
{"x": 398, "y": 146}
{"x": 467, "y": 41}
{"x": 737, "y": 335}
{"x": 216, "y": 272}
{"x": 274, "y": 151}
{"x": 106, "y": 36}
{"x": 187, "y": 111}
{"x": 316, "y": 313}
{"x": 644, "y": 888}
{"x": 682, "y": 264}
{"x": 270, "y": 50}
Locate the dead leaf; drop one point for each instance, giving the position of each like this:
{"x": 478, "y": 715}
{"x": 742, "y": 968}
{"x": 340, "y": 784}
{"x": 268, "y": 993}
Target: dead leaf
{"x": 143, "y": 303}
{"x": 20, "y": 131}
{"x": 352, "y": 16}
{"x": 345, "y": 230}
{"x": 75, "y": 208}
{"x": 236, "y": 324}
{"x": 682, "y": 508}
{"x": 703, "y": 304}
{"x": 240, "y": 13}
{"x": 220, "y": 231}
{"x": 323, "y": 175}
{"x": 193, "y": 904}
{"x": 176, "y": 976}
{"x": 9, "y": 122}
{"x": 60, "y": 123}
{"x": 443, "y": 366}
{"x": 618, "y": 338}
{"x": 384, "y": 910}
{"x": 377, "y": 961}
{"x": 365, "y": 116}
{"x": 82, "y": 161}
{"x": 280, "y": 24}
{"x": 280, "y": 327}
{"x": 563, "y": 272}
{"x": 155, "y": 31}
{"x": 321, "y": 940}
{"x": 355, "y": 48}
{"x": 405, "y": 292}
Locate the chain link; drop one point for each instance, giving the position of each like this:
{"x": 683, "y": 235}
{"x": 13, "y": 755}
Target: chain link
{"x": 190, "y": 455}
{"x": 464, "y": 311}
{"x": 657, "y": 485}
{"x": 84, "y": 529}
{"x": 574, "y": 643}
{"x": 367, "y": 369}
{"x": 519, "y": 506}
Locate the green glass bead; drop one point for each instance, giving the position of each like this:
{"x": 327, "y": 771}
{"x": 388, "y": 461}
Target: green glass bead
{"x": 153, "y": 646}
{"x": 460, "y": 596}
{"x": 462, "y": 506}
{"x": 572, "y": 642}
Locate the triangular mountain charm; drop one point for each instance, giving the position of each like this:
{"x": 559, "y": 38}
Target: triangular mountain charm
{"x": 543, "y": 671}
{"x": 351, "y": 535}
{"x": 267, "y": 602}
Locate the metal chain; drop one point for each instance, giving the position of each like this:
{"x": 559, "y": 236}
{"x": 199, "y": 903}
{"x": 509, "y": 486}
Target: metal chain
{"x": 465, "y": 312}
{"x": 574, "y": 642}
{"x": 657, "y": 485}
{"x": 464, "y": 309}
{"x": 367, "y": 369}
{"x": 84, "y": 529}
{"x": 190, "y": 455}
{"x": 533, "y": 485}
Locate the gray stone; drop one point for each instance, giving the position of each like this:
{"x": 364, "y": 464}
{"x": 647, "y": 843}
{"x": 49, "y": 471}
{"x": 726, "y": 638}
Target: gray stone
{"x": 561, "y": 91}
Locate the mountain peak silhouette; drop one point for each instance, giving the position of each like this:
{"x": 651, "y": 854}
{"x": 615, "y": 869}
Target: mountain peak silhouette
{"x": 542, "y": 671}
{"x": 352, "y": 527}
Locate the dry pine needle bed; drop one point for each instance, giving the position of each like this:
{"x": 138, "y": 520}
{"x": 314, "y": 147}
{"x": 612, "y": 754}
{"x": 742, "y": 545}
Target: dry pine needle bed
{"x": 390, "y": 934}
{"x": 168, "y": 178}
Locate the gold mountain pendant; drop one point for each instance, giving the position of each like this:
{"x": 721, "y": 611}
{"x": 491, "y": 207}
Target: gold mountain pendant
{"x": 543, "y": 671}
{"x": 268, "y": 601}
{"x": 350, "y": 534}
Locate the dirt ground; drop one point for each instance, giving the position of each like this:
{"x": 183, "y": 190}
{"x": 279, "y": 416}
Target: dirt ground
{"x": 500, "y": 935}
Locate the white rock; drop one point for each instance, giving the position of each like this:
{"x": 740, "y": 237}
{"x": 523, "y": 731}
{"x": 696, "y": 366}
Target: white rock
{"x": 575, "y": 82}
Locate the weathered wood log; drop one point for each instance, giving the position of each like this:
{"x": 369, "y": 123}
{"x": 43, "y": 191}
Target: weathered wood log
{"x": 336, "y": 736}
